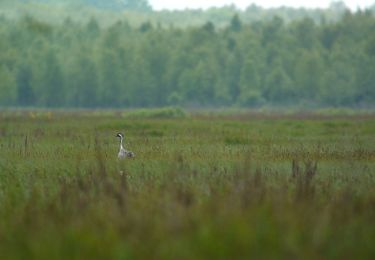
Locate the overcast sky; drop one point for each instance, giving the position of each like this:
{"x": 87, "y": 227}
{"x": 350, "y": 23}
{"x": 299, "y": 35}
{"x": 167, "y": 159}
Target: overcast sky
{"x": 181, "y": 4}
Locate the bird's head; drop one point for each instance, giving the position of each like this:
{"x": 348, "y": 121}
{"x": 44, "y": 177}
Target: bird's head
{"x": 120, "y": 135}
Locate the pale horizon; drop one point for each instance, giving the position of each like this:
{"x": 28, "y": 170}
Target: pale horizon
{"x": 242, "y": 4}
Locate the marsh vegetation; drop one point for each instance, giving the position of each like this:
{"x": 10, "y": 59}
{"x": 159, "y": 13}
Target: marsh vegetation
{"x": 287, "y": 186}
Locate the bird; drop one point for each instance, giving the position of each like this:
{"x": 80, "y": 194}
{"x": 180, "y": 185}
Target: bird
{"x": 123, "y": 153}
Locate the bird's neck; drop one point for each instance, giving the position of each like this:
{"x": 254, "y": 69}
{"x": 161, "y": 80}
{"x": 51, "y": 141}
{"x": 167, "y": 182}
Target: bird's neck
{"x": 121, "y": 146}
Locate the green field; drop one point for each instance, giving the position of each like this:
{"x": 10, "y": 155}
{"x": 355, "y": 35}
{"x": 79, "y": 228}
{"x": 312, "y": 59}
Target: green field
{"x": 201, "y": 186}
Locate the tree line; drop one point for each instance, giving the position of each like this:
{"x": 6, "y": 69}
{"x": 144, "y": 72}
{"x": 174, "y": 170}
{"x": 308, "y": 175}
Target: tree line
{"x": 264, "y": 63}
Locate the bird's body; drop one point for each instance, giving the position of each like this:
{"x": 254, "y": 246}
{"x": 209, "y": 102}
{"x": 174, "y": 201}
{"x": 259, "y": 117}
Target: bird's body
{"x": 123, "y": 153}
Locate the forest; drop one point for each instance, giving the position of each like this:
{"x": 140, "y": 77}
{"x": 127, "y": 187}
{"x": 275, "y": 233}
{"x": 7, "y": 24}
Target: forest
{"x": 272, "y": 61}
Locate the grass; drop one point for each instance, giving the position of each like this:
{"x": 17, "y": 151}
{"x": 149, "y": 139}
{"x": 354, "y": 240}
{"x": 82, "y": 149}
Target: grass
{"x": 200, "y": 187}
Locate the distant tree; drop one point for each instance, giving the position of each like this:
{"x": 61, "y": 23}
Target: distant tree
{"x": 209, "y": 27}
{"x": 272, "y": 30}
{"x": 365, "y": 91}
{"x": 144, "y": 86}
{"x": 83, "y": 79}
{"x": 304, "y": 31}
{"x": 93, "y": 28}
{"x": 308, "y": 75}
{"x": 232, "y": 74}
{"x": 8, "y": 92}
{"x": 53, "y": 94}
{"x": 145, "y": 27}
{"x": 25, "y": 92}
{"x": 188, "y": 86}
{"x": 250, "y": 84}
{"x": 328, "y": 36}
{"x": 155, "y": 50}
{"x": 235, "y": 24}
{"x": 278, "y": 87}
{"x": 109, "y": 78}
{"x": 338, "y": 87}
{"x": 205, "y": 79}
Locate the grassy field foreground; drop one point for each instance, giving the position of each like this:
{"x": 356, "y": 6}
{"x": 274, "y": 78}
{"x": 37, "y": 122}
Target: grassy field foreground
{"x": 200, "y": 187}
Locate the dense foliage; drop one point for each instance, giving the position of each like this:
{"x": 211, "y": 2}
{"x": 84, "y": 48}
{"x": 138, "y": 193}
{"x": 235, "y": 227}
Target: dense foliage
{"x": 257, "y": 188}
{"x": 269, "y": 62}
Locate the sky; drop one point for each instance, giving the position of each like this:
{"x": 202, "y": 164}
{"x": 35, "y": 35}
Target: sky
{"x": 182, "y": 4}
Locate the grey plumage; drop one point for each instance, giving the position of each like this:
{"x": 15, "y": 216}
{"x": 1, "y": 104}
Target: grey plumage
{"x": 123, "y": 153}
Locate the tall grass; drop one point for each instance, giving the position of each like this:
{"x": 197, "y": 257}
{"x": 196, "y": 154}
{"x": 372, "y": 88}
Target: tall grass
{"x": 198, "y": 188}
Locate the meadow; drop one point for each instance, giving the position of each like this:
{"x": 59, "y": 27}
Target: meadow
{"x": 202, "y": 186}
